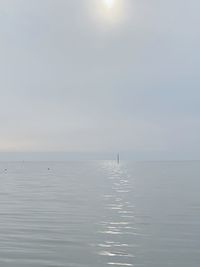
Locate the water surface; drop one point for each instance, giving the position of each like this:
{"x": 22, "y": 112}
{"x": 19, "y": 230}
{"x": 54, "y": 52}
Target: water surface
{"x": 97, "y": 214}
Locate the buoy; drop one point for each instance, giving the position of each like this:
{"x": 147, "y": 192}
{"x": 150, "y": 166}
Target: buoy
{"x": 118, "y": 159}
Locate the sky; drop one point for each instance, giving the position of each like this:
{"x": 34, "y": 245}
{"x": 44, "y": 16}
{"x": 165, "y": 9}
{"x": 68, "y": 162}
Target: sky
{"x": 79, "y": 78}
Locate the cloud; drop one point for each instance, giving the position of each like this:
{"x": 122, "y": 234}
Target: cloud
{"x": 69, "y": 83}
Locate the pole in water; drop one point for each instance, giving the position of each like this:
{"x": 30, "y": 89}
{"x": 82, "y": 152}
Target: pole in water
{"x": 118, "y": 159}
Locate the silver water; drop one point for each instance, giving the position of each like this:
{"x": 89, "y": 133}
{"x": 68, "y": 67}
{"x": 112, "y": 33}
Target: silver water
{"x": 100, "y": 214}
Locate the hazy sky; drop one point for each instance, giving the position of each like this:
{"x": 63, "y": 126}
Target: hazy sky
{"x": 76, "y": 76}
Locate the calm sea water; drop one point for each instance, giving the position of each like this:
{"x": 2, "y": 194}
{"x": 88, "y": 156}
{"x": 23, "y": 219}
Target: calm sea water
{"x": 100, "y": 214}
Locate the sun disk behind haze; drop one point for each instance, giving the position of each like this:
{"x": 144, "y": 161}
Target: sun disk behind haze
{"x": 109, "y": 3}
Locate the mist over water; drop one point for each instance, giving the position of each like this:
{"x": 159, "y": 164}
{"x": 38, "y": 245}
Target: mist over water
{"x": 81, "y": 214}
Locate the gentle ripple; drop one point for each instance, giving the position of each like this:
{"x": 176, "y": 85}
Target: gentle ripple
{"x": 82, "y": 214}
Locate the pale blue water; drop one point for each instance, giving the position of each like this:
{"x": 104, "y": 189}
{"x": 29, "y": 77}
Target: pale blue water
{"x": 100, "y": 214}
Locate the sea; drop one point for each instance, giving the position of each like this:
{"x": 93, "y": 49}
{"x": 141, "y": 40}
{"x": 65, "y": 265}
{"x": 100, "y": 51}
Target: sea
{"x": 100, "y": 214}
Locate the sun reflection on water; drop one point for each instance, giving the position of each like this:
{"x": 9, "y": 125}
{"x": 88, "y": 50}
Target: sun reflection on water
{"x": 118, "y": 225}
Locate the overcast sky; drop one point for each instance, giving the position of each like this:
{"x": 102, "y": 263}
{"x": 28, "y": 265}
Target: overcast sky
{"x": 77, "y": 77}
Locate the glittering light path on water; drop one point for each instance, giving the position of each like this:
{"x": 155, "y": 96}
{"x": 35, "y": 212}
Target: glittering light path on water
{"x": 117, "y": 227}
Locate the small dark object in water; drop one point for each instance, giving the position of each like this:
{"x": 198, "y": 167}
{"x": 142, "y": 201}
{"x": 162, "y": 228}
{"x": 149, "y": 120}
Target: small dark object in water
{"x": 118, "y": 158}
{"x": 48, "y": 169}
{"x": 5, "y": 170}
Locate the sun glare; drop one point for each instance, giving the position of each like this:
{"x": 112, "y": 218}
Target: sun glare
{"x": 109, "y": 3}
{"x": 108, "y": 13}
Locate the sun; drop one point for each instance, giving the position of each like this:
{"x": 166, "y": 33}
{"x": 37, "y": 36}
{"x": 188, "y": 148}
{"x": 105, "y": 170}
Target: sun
{"x": 108, "y": 13}
{"x": 109, "y": 3}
